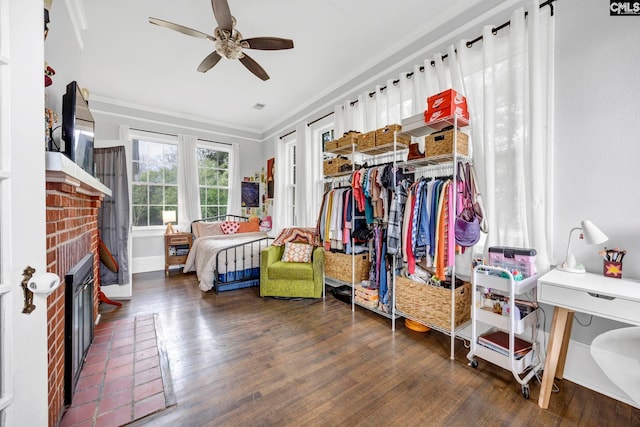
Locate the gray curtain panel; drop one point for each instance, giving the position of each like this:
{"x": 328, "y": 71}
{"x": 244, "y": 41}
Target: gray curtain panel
{"x": 113, "y": 215}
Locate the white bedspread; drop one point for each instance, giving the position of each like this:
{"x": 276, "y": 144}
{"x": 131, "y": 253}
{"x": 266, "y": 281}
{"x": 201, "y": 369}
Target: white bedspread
{"x": 202, "y": 257}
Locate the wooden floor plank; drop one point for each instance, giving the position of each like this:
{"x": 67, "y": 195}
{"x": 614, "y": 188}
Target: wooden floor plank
{"x": 238, "y": 359}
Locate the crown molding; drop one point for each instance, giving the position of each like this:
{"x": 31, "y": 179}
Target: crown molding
{"x": 78, "y": 19}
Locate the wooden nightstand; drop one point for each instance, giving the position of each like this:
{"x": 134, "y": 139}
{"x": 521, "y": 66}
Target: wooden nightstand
{"x": 176, "y": 249}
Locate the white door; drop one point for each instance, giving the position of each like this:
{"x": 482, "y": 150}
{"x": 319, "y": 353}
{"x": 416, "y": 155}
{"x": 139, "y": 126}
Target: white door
{"x": 5, "y": 176}
{"x": 23, "y": 337}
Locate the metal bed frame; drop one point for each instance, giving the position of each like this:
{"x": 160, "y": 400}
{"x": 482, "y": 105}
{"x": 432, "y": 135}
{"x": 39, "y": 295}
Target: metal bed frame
{"x": 238, "y": 260}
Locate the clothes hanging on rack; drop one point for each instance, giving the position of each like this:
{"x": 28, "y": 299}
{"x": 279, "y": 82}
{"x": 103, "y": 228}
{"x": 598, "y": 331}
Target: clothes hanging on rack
{"x": 337, "y": 223}
{"x": 427, "y": 224}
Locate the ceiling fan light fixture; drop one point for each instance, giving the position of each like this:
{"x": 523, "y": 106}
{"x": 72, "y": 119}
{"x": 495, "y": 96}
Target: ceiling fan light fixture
{"x": 228, "y": 41}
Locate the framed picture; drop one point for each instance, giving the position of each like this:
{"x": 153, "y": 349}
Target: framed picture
{"x": 270, "y": 177}
{"x": 250, "y": 194}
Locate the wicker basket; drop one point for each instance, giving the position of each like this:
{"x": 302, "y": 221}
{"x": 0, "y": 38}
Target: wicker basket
{"x": 431, "y": 305}
{"x": 367, "y": 140}
{"x": 441, "y": 144}
{"x": 338, "y": 266}
{"x": 348, "y": 140}
{"x": 366, "y": 296}
{"x": 384, "y": 136}
{"x": 331, "y": 145}
{"x": 333, "y": 166}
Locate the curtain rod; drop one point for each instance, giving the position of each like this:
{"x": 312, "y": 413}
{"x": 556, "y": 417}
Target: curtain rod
{"x": 469, "y": 44}
{"x": 319, "y": 118}
{"x": 287, "y": 134}
{"x": 176, "y": 135}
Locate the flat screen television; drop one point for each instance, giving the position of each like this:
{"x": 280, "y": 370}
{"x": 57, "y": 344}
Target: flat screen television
{"x": 78, "y": 128}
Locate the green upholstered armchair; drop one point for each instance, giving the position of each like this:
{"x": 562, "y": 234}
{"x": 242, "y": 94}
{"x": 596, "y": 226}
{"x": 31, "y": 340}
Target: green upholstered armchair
{"x": 291, "y": 279}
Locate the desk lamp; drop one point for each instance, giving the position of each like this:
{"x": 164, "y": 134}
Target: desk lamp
{"x": 167, "y": 218}
{"x": 592, "y": 235}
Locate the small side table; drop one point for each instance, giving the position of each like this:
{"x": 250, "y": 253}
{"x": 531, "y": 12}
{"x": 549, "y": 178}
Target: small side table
{"x": 176, "y": 249}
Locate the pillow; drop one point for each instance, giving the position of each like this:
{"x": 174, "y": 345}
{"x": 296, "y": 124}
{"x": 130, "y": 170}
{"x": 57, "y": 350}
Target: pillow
{"x": 252, "y": 225}
{"x": 229, "y": 227}
{"x": 195, "y": 229}
{"x": 210, "y": 229}
{"x": 297, "y": 252}
{"x": 297, "y": 235}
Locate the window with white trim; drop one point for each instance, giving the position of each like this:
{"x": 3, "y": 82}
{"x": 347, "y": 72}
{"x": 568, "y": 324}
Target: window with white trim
{"x": 290, "y": 182}
{"x": 155, "y": 178}
{"x": 213, "y": 179}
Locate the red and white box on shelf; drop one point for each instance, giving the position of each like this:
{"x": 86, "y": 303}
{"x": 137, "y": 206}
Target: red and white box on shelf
{"x": 443, "y": 107}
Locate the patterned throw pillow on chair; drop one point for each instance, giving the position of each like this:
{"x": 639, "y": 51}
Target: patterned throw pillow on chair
{"x": 297, "y": 252}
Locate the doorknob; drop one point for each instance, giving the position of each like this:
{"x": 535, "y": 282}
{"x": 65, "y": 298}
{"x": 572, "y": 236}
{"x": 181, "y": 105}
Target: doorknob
{"x": 27, "y": 273}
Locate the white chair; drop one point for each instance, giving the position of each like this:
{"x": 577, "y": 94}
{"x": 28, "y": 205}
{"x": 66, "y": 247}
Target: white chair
{"x": 617, "y": 352}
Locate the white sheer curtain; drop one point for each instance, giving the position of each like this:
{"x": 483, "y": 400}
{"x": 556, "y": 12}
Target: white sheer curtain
{"x": 309, "y": 179}
{"x": 233, "y": 201}
{"x": 189, "y": 194}
{"x": 508, "y": 81}
{"x": 279, "y": 217}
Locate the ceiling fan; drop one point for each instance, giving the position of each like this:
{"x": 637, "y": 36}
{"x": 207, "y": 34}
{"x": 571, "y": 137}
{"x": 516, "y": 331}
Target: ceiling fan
{"x": 228, "y": 41}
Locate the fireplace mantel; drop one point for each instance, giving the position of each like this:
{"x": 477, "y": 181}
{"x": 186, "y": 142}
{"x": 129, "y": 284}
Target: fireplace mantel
{"x": 59, "y": 168}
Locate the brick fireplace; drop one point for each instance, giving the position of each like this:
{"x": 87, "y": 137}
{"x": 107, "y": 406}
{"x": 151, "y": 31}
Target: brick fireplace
{"x": 73, "y": 199}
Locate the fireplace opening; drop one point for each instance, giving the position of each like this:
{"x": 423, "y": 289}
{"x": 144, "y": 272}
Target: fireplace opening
{"x": 79, "y": 322}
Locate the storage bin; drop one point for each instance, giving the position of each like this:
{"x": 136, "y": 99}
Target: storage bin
{"x": 333, "y": 166}
{"x": 509, "y": 258}
{"x": 430, "y": 304}
{"x": 441, "y": 144}
{"x": 384, "y": 136}
{"x": 367, "y": 140}
{"x": 339, "y": 266}
{"x": 348, "y": 140}
{"x": 331, "y": 145}
{"x": 366, "y": 296}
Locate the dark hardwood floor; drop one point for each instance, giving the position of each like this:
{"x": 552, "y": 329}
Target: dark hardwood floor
{"x": 238, "y": 359}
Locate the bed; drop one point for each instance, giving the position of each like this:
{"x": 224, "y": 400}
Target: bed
{"x": 229, "y": 259}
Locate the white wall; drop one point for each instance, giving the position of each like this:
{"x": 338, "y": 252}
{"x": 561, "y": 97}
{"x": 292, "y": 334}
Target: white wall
{"x": 597, "y": 140}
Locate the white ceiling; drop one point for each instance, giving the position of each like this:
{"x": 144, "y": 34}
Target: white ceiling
{"x": 126, "y": 60}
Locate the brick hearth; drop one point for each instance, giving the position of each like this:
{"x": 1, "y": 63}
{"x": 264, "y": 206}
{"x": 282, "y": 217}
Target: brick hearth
{"x": 72, "y": 232}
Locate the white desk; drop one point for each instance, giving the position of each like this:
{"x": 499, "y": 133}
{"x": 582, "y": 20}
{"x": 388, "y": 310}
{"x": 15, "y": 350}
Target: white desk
{"x": 616, "y": 299}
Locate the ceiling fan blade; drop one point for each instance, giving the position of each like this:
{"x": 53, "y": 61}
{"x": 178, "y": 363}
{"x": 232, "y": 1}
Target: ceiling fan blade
{"x": 269, "y": 43}
{"x": 181, "y": 29}
{"x": 208, "y": 62}
{"x": 223, "y": 14}
{"x": 254, "y": 67}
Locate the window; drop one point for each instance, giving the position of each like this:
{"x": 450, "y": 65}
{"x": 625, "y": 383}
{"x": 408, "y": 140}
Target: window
{"x": 327, "y": 136}
{"x": 155, "y": 179}
{"x": 213, "y": 180}
{"x": 290, "y": 182}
